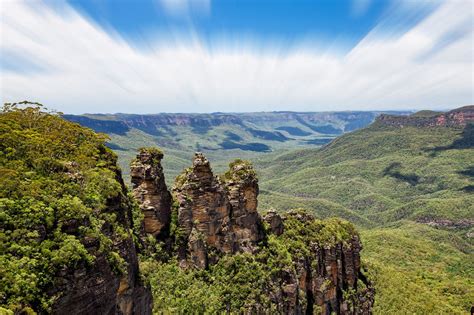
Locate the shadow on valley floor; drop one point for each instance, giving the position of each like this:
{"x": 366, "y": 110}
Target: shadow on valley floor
{"x": 469, "y": 172}
{"x": 466, "y": 141}
{"x": 393, "y": 170}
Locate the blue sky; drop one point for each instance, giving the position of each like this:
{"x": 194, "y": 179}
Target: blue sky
{"x": 225, "y": 55}
{"x": 287, "y": 21}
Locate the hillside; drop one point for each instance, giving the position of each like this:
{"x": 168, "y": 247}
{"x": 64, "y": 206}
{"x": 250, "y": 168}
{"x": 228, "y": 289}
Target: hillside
{"x": 408, "y": 181}
{"x": 383, "y": 173}
{"x": 221, "y": 136}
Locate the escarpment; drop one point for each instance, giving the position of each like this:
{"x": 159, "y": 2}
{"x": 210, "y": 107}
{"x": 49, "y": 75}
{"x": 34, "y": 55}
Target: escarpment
{"x": 217, "y": 216}
{"x": 327, "y": 276}
{"x": 459, "y": 117}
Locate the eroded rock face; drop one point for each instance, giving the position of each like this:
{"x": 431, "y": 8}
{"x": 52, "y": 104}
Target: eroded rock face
{"x": 203, "y": 215}
{"x": 100, "y": 288}
{"x": 274, "y": 221}
{"x": 149, "y": 189}
{"x": 459, "y": 117}
{"x": 322, "y": 277}
{"x": 218, "y": 216}
{"x": 242, "y": 189}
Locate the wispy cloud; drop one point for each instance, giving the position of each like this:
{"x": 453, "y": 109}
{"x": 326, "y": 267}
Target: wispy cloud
{"x": 180, "y": 8}
{"x": 86, "y": 69}
{"x": 359, "y": 7}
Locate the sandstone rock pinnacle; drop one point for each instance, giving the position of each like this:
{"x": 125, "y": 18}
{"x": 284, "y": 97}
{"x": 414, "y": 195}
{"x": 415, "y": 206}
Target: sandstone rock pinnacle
{"x": 149, "y": 189}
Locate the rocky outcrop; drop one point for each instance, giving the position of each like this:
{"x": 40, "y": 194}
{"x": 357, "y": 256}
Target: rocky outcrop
{"x": 203, "y": 215}
{"x": 325, "y": 280}
{"x": 111, "y": 285}
{"x": 218, "y": 216}
{"x": 242, "y": 190}
{"x": 149, "y": 189}
{"x": 99, "y": 289}
{"x": 456, "y": 118}
{"x": 274, "y": 221}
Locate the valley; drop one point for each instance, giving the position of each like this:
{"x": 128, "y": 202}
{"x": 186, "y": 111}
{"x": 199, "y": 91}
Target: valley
{"x": 405, "y": 181}
{"x": 221, "y": 136}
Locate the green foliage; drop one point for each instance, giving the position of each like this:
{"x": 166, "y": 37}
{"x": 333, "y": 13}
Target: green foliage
{"x": 56, "y": 180}
{"x": 235, "y": 284}
{"x": 243, "y": 282}
{"x": 154, "y": 151}
{"x": 384, "y": 180}
{"x": 182, "y": 178}
{"x": 302, "y": 231}
{"x": 240, "y": 170}
{"x": 419, "y": 270}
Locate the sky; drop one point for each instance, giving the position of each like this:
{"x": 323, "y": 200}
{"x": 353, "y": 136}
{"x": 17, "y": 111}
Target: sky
{"x": 100, "y": 56}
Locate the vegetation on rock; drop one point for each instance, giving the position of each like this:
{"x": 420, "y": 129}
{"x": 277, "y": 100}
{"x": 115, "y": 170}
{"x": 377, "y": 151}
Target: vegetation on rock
{"x": 56, "y": 181}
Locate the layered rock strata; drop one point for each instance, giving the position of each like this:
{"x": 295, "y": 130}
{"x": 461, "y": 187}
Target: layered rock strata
{"x": 149, "y": 189}
{"x": 241, "y": 185}
{"x": 326, "y": 280}
{"x": 218, "y": 216}
{"x": 204, "y": 215}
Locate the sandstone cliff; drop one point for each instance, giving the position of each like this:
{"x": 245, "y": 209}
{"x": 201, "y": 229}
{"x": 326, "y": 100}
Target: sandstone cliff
{"x": 457, "y": 117}
{"x": 327, "y": 276}
{"x": 111, "y": 285}
{"x": 66, "y": 222}
{"x": 218, "y": 216}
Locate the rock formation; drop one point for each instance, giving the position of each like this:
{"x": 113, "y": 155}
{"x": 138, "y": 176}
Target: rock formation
{"x": 218, "y": 216}
{"x": 274, "y": 221}
{"x": 149, "y": 189}
{"x": 323, "y": 276}
{"x": 242, "y": 190}
{"x": 203, "y": 214}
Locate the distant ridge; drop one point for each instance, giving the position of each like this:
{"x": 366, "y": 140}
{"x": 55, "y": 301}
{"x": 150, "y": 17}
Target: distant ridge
{"x": 456, "y": 117}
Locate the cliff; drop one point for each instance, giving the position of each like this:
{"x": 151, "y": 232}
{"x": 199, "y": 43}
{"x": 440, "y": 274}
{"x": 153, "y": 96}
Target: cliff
{"x": 107, "y": 286}
{"x": 217, "y": 217}
{"x": 67, "y": 220}
{"x": 458, "y": 117}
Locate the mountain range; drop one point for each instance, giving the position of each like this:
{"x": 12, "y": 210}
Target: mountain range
{"x": 221, "y": 136}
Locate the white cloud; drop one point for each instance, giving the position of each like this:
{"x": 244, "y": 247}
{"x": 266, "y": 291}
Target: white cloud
{"x": 85, "y": 69}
